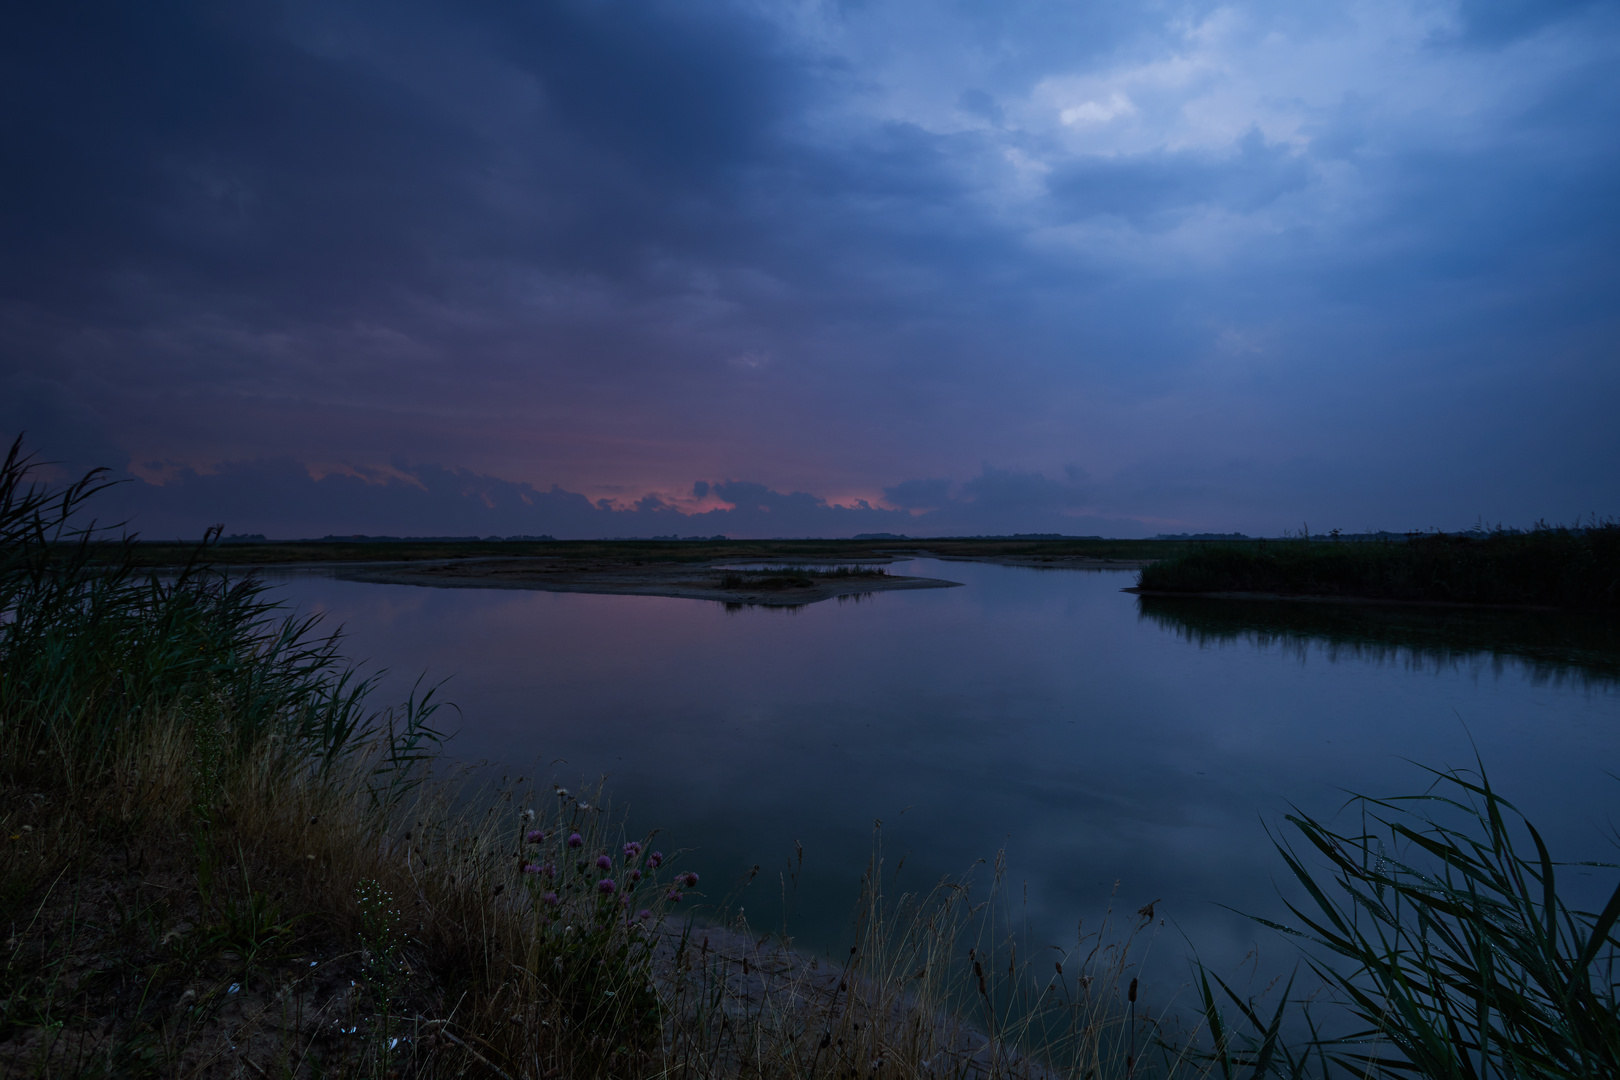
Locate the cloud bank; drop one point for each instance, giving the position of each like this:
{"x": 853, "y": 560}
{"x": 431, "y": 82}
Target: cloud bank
{"x": 282, "y": 500}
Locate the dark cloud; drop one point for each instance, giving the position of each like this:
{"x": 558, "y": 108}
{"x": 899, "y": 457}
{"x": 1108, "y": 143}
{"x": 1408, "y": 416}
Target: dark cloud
{"x": 1497, "y": 22}
{"x": 918, "y": 494}
{"x": 280, "y": 499}
{"x": 604, "y": 248}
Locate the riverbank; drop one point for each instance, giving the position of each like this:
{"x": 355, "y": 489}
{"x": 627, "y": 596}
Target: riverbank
{"x": 1544, "y": 569}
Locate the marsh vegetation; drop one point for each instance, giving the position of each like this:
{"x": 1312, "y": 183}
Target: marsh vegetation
{"x": 1549, "y": 566}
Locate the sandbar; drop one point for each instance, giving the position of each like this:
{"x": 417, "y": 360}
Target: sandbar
{"x": 695, "y": 581}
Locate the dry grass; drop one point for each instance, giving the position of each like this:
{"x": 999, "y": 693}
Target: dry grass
{"x": 174, "y": 921}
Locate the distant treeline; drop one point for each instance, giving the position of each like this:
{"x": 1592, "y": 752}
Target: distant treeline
{"x": 1548, "y": 566}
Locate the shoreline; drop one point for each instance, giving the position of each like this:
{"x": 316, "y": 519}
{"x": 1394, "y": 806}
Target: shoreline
{"x": 1323, "y": 598}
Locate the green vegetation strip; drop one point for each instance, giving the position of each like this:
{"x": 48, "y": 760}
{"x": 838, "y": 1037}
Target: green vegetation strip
{"x": 1554, "y": 567}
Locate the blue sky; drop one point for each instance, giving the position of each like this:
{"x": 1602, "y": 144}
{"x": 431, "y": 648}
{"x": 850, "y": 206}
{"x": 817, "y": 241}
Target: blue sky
{"x": 601, "y": 268}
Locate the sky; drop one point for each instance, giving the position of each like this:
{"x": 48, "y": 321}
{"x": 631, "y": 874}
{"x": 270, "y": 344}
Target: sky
{"x": 789, "y": 268}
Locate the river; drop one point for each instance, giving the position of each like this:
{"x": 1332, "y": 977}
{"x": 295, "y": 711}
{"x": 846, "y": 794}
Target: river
{"x": 1119, "y": 750}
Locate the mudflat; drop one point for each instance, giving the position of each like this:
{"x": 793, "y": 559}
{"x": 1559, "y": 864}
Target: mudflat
{"x": 784, "y": 586}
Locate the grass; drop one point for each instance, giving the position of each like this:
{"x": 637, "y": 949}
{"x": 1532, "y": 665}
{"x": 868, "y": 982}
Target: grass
{"x": 1557, "y": 567}
{"x": 1438, "y": 923}
{"x": 219, "y": 857}
{"x": 796, "y": 577}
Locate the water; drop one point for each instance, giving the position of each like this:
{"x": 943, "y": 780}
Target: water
{"x": 1121, "y": 750}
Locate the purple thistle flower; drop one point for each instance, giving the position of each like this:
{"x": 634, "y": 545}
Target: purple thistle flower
{"x": 643, "y": 914}
{"x": 624, "y": 901}
{"x": 530, "y": 868}
{"x": 576, "y": 840}
{"x": 550, "y": 898}
{"x": 635, "y": 875}
{"x": 604, "y": 863}
{"x": 550, "y": 870}
{"x": 655, "y": 860}
{"x": 691, "y": 880}
{"x": 534, "y": 836}
{"x": 631, "y": 850}
{"x": 673, "y": 896}
{"x": 606, "y": 886}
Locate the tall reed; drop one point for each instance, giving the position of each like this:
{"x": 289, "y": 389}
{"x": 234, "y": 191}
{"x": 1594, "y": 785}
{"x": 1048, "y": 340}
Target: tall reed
{"x": 1547, "y": 566}
{"x": 1439, "y": 924}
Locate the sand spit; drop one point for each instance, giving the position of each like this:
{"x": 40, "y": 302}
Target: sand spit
{"x": 696, "y": 581}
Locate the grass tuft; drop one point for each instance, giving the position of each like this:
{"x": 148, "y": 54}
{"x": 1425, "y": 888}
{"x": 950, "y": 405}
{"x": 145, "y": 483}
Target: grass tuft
{"x": 1438, "y": 924}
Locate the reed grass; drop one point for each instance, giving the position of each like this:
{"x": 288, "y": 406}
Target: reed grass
{"x": 1438, "y": 924}
{"x": 1548, "y": 566}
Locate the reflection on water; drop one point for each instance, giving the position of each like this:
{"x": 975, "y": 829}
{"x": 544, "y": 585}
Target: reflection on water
{"x": 1549, "y": 646}
{"x": 842, "y": 598}
{"x": 1042, "y": 712}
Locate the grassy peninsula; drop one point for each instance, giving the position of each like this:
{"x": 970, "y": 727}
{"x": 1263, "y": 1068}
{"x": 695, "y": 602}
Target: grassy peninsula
{"x": 1546, "y": 567}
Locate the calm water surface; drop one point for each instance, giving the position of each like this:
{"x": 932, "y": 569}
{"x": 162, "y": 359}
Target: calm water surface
{"x": 1097, "y": 737}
